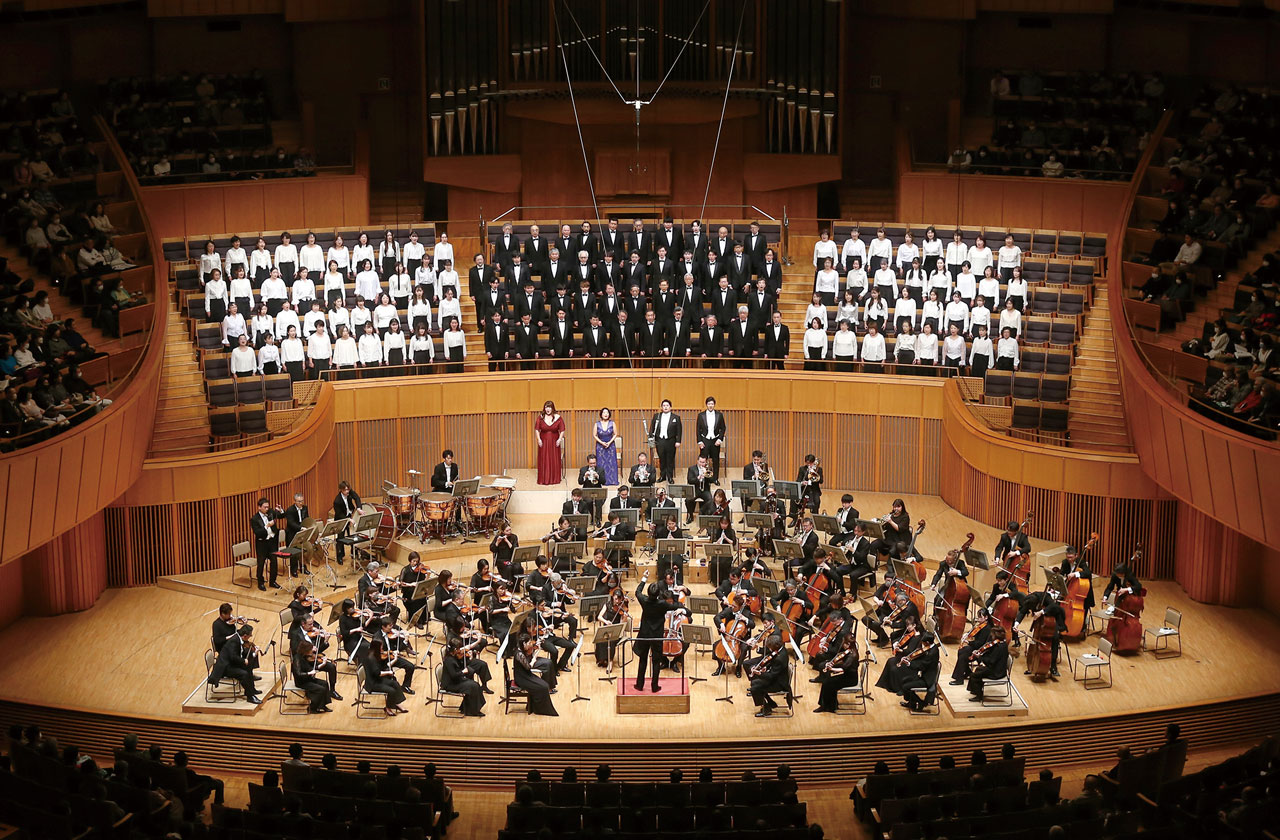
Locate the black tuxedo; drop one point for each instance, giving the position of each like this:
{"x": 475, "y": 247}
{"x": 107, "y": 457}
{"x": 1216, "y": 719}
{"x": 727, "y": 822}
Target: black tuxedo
{"x": 724, "y": 304}
{"x": 709, "y": 275}
{"x": 490, "y": 301}
{"x": 525, "y": 341}
{"x": 293, "y": 518}
{"x": 642, "y": 243}
{"x": 633, "y": 478}
{"x": 690, "y": 298}
{"x": 664, "y": 306}
{"x": 554, "y": 275}
{"x": 708, "y": 438}
{"x": 635, "y": 274}
{"x": 613, "y": 242}
{"x": 606, "y": 274}
{"x": 711, "y": 344}
{"x": 478, "y": 280}
{"x": 672, "y": 240}
{"x": 649, "y": 339}
{"x": 772, "y": 274}
{"x": 635, "y": 307}
{"x": 743, "y": 344}
{"x": 739, "y": 268}
{"x": 698, "y": 244}
{"x": 533, "y": 305}
{"x": 722, "y": 247}
{"x": 777, "y": 345}
{"x": 516, "y": 275}
{"x": 666, "y": 447}
{"x": 443, "y": 477}
{"x": 560, "y": 338}
{"x": 609, "y": 306}
{"x": 583, "y": 309}
{"x": 596, "y": 345}
{"x": 677, "y": 340}
{"x": 567, "y": 248}
{"x": 497, "y": 343}
{"x": 587, "y": 242}
{"x": 535, "y": 254}
{"x": 623, "y": 344}
{"x": 755, "y": 251}
{"x": 266, "y": 540}
{"x": 666, "y": 270}
{"x": 561, "y": 303}
{"x": 761, "y": 309}
{"x": 503, "y": 248}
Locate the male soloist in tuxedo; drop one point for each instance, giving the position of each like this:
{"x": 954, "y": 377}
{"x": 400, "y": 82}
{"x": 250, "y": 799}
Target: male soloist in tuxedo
{"x": 266, "y": 539}
{"x": 711, "y": 431}
{"x": 665, "y": 430}
{"x": 445, "y": 475}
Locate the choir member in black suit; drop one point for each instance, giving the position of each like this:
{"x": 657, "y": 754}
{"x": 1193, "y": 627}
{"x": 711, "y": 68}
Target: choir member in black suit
{"x": 777, "y": 342}
{"x": 608, "y": 304}
{"x": 586, "y": 240}
{"x": 756, "y": 245}
{"x": 479, "y": 280}
{"x": 529, "y": 301}
{"x": 445, "y": 473}
{"x": 760, "y": 305}
{"x": 649, "y": 337}
{"x": 490, "y": 301}
{"x": 665, "y": 430}
{"x": 266, "y": 539}
{"x": 536, "y": 254}
{"x": 497, "y": 341}
{"x": 584, "y": 270}
{"x": 689, "y": 299}
{"x": 671, "y": 238}
{"x": 722, "y": 244}
{"x": 505, "y": 246}
{"x": 664, "y": 303}
{"x": 596, "y": 341}
{"x": 641, "y": 242}
{"x": 696, "y": 242}
{"x": 560, "y": 338}
{"x": 744, "y": 340}
{"x": 524, "y": 344}
{"x": 584, "y": 304}
{"x": 769, "y": 673}
{"x": 677, "y": 341}
{"x": 771, "y": 271}
{"x": 557, "y": 271}
{"x": 662, "y": 267}
{"x": 635, "y": 273}
{"x": 711, "y": 343}
{"x": 635, "y": 303}
{"x": 724, "y": 301}
{"x": 613, "y": 242}
{"x": 738, "y": 268}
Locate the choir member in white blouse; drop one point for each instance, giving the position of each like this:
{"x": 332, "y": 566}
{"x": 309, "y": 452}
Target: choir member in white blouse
{"x": 1016, "y": 290}
{"x": 286, "y": 259}
{"x": 425, "y": 278}
{"x": 235, "y": 257}
{"x": 450, "y": 307}
{"x": 287, "y": 318}
{"x": 244, "y": 362}
{"x": 340, "y": 254}
{"x": 827, "y": 281}
{"x": 816, "y": 310}
{"x": 979, "y": 316}
{"x": 1010, "y": 318}
{"x": 815, "y": 344}
{"x": 844, "y": 345}
{"x": 269, "y": 357}
{"x": 443, "y": 251}
{"x": 369, "y": 347}
{"x": 241, "y": 290}
{"x": 880, "y": 250}
{"x": 904, "y": 347}
{"x": 383, "y": 314}
{"x": 209, "y": 262}
{"x": 388, "y": 254}
{"x": 304, "y": 289}
{"x": 824, "y": 249}
{"x": 956, "y": 254}
{"x": 360, "y": 316}
{"x": 1006, "y": 351}
{"x": 314, "y": 320}
{"x": 980, "y": 255}
{"x": 339, "y": 316}
{"x": 292, "y": 355}
{"x": 274, "y": 291}
{"x": 260, "y": 261}
{"x": 980, "y": 353}
{"x": 361, "y": 252}
{"x": 853, "y": 247}
{"x": 335, "y": 282}
{"x": 311, "y": 257}
{"x": 400, "y": 286}
{"x": 368, "y": 286}
{"x": 422, "y": 350}
{"x": 447, "y": 278}
{"x": 412, "y": 253}
{"x": 319, "y": 353}
{"x": 904, "y": 310}
{"x": 932, "y": 311}
{"x": 927, "y": 345}
{"x": 856, "y": 279}
{"x": 393, "y": 345}
{"x": 957, "y": 313}
{"x": 232, "y": 326}
{"x": 907, "y": 252}
{"x": 930, "y": 250}
{"x": 419, "y": 309}
{"x": 915, "y": 280}
{"x": 455, "y": 343}
{"x": 873, "y": 351}
{"x": 345, "y": 353}
{"x": 966, "y": 285}
{"x": 989, "y": 288}
{"x": 261, "y": 325}
{"x": 1010, "y": 255}
{"x": 877, "y": 310}
{"x": 847, "y": 308}
{"x": 886, "y": 280}
{"x": 215, "y": 296}
{"x": 953, "y": 348}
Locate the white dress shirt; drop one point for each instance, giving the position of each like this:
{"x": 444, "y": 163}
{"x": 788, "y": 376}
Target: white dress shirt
{"x": 873, "y": 348}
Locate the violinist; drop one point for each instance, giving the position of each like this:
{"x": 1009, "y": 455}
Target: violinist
{"x": 224, "y": 626}
{"x": 482, "y": 584}
{"x": 413, "y": 573}
{"x": 538, "y": 584}
{"x": 607, "y": 583}
{"x": 769, "y": 673}
{"x": 503, "y": 546}
{"x": 642, "y": 475}
{"x": 455, "y": 609}
{"x": 472, "y": 644}
{"x": 648, "y": 644}
{"x": 614, "y": 611}
{"x": 1044, "y": 603}
{"x": 445, "y": 585}
{"x": 857, "y": 551}
{"x": 396, "y": 643}
{"x": 809, "y": 477}
{"x": 901, "y": 608}
{"x": 308, "y": 630}
{"x": 369, "y": 590}
{"x": 549, "y": 616}
{"x": 500, "y": 613}
{"x": 719, "y": 504}
{"x": 1013, "y": 542}
{"x": 351, "y": 630}
{"x": 456, "y": 677}
{"x": 989, "y": 661}
{"x": 847, "y": 520}
{"x": 535, "y": 676}
{"x": 562, "y": 599}
{"x": 700, "y": 478}
{"x": 979, "y": 634}
{"x": 1076, "y": 568}
{"x": 1123, "y": 582}
{"x": 831, "y": 622}
{"x": 307, "y": 664}
{"x": 736, "y": 609}
{"x": 952, "y": 565}
{"x": 789, "y": 596}
{"x": 919, "y": 676}
{"x": 840, "y": 671}
{"x": 897, "y": 528}
{"x": 380, "y": 678}
{"x": 302, "y": 605}
{"x": 237, "y": 659}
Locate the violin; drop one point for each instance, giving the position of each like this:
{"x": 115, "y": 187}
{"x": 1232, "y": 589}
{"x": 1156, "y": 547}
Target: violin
{"x": 1073, "y": 604}
{"x": 950, "y": 613}
{"x": 758, "y": 668}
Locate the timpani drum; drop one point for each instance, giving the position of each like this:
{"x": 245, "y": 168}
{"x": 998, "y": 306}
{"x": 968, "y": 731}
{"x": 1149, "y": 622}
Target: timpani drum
{"x": 402, "y": 499}
{"x": 484, "y": 511}
{"x": 503, "y": 487}
{"x": 437, "y": 511}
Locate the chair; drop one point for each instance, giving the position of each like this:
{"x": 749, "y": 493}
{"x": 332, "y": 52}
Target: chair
{"x": 226, "y": 690}
{"x": 932, "y": 706}
{"x": 1160, "y": 636}
{"x": 1062, "y": 333}
{"x": 1026, "y": 414}
{"x": 1054, "y": 421}
{"x": 216, "y": 367}
{"x": 1044, "y": 302}
{"x": 1003, "y": 698}
{"x": 1100, "y": 660}
{"x": 512, "y": 693}
{"x": 1044, "y": 243}
{"x": 278, "y": 391}
{"x": 1057, "y": 362}
{"x": 441, "y": 693}
{"x": 1035, "y": 331}
{"x": 1070, "y": 243}
{"x": 1026, "y": 386}
{"x": 367, "y": 701}
{"x": 1081, "y": 273}
{"x": 209, "y": 338}
{"x": 224, "y": 428}
{"x": 1033, "y": 361}
{"x": 1057, "y": 272}
{"x": 249, "y": 390}
{"x": 222, "y": 392}
{"x": 1033, "y": 270}
{"x": 253, "y": 422}
{"x": 786, "y": 695}
{"x": 1094, "y": 246}
{"x": 242, "y": 557}
{"x": 196, "y": 308}
{"x": 1071, "y": 304}
{"x": 1055, "y": 387}
{"x": 997, "y": 385}
{"x": 852, "y": 700}
{"x": 289, "y": 689}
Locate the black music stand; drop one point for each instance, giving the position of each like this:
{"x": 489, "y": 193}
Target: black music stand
{"x": 697, "y": 636}
{"x": 705, "y": 522}
{"x": 643, "y": 495}
{"x": 976, "y": 559}
{"x": 581, "y": 583}
{"x": 788, "y": 490}
{"x": 742, "y": 490}
{"x": 572, "y": 550}
{"x": 758, "y": 521}
{"x": 717, "y": 551}
{"x": 579, "y": 521}
{"x": 613, "y": 551}
{"x": 873, "y": 527}
{"x": 608, "y": 634}
{"x": 827, "y": 524}
{"x": 631, "y": 516}
{"x": 786, "y": 550}
{"x": 596, "y": 496}
{"x": 682, "y": 493}
{"x": 462, "y": 488}
{"x": 766, "y": 588}
{"x": 523, "y": 555}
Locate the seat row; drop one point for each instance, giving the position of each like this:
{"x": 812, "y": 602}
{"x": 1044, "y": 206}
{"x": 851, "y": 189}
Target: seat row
{"x": 238, "y": 425}
{"x": 664, "y": 819}
{"x": 674, "y": 794}
{"x": 999, "y": 385}
{"x": 275, "y": 389}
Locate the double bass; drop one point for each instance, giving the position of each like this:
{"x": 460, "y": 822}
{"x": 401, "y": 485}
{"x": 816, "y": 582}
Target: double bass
{"x": 950, "y": 614}
{"x": 1004, "y": 611}
{"x": 1073, "y": 602}
{"x": 1040, "y": 648}
{"x": 1124, "y": 630}
{"x": 1016, "y": 563}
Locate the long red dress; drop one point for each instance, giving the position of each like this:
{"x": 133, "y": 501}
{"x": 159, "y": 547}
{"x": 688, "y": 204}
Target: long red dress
{"x": 549, "y": 460}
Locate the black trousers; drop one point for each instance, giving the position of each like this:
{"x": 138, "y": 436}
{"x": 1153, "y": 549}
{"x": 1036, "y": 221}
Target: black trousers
{"x": 830, "y": 692}
{"x": 550, "y": 643}
{"x": 263, "y": 560}
{"x": 648, "y": 653}
{"x": 317, "y": 692}
{"x": 408, "y": 667}
{"x": 666, "y": 459}
{"x": 472, "y": 695}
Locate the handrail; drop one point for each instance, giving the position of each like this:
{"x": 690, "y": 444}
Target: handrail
{"x": 649, "y": 204}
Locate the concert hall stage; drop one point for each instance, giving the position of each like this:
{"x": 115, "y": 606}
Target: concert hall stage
{"x": 127, "y": 664}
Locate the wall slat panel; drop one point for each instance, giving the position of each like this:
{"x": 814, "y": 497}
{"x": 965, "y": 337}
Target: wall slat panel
{"x": 899, "y": 454}
{"x": 813, "y": 433}
{"x": 508, "y": 436}
{"x": 769, "y": 430}
{"x": 930, "y": 455}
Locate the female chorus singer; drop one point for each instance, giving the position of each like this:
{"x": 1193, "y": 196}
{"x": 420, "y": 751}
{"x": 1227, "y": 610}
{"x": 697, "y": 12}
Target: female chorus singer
{"x": 607, "y": 447}
{"x": 548, "y": 431}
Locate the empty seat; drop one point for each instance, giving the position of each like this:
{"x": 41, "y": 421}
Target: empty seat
{"x": 209, "y": 337}
{"x": 278, "y": 390}
{"x": 1033, "y": 361}
{"x": 1094, "y": 245}
{"x": 223, "y": 425}
{"x": 1070, "y": 243}
{"x": 1071, "y": 303}
{"x": 1044, "y": 302}
{"x": 1081, "y": 274}
{"x": 216, "y": 366}
{"x": 1026, "y": 414}
{"x": 1026, "y": 386}
{"x": 1044, "y": 242}
{"x": 196, "y": 311}
{"x": 1057, "y": 362}
{"x": 253, "y": 420}
{"x": 1033, "y": 270}
{"x": 1057, "y": 271}
{"x": 1053, "y": 419}
{"x": 249, "y": 390}
{"x": 222, "y": 392}
{"x": 1062, "y": 333}
{"x": 997, "y": 385}
{"x": 1054, "y": 388}
{"x": 1035, "y": 330}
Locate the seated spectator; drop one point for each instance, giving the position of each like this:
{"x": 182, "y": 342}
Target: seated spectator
{"x": 1052, "y": 167}
{"x": 960, "y": 160}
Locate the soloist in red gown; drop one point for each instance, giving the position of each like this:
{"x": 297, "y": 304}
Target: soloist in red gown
{"x": 549, "y": 462}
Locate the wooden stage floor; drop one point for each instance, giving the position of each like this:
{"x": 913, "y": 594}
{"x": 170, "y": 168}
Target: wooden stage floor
{"x": 138, "y": 653}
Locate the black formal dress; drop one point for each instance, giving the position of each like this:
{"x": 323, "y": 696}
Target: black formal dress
{"x": 456, "y": 676}
{"x": 537, "y": 683}
{"x": 847, "y": 662}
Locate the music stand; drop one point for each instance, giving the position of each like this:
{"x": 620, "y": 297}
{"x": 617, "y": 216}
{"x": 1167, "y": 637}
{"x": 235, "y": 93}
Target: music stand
{"x": 976, "y": 559}
{"x": 745, "y": 489}
{"x": 572, "y": 550}
{"x": 707, "y": 521}
{"x": 595, "y": 495}
{"x": 366, "y": 522}
{"x": 335, "y": 611}
{"x": 905, "y": 571}
{"x": 466, "y": 486}
{"x": 608, "y": 634}
{"x": 787, "y": 550}
{"x": 759, "y": 520}
{"x": 581, "y": 583}
{"x": 631, "y": 516}
{"x": 589, "y": 605}
{"x": 873, "y": 527}
{"x": 766, "y": 588}
{"x": 718, "y": 551}
{"x": 522, "y": 554}
{"x": 683, "y": 492}
{"x": 697, "y": 636}
{"x": 673, "y": 546}
{"x": 826, "y": 524}
{"x": 788, "y": 490}
{"x": 424, "y": 588}
{"x": 612, "y": 547}
{"x": 573, "y": 660}
{"x": 642, "y": 492}
{"x": 579, "y": 521}
{"x": 702, "y": 605}
{"x": 1054, "y": 580}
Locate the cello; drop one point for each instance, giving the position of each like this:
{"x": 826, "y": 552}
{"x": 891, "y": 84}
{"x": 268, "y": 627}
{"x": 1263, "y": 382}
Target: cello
{"x": 1015, "y": 562}
{"x": 732, "y": 637}
{"x": 1040, "y": 648}
{"x": 950, "y": 614}
{"x": 673, "y": 644}
{"x": 1124, "y": 630}
{"x": 821, "y": 641}
{"x": 1073, "y": 604}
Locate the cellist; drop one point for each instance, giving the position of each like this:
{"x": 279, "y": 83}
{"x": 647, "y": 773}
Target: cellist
{"x": 1013, "y": 543}
{"x": 1044, "y": 603}
{"x": 818, "y": 577}
{"x": 722, "y": 622}
{"x": 978, "y": 635}
{"x": 792, "y": 604}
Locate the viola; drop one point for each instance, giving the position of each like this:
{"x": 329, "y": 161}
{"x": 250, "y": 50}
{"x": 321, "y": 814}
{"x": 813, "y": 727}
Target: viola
{"x": 950, "y": 614}
{"x": 1077, "y": 594}
{"x": 1040, "y": 649}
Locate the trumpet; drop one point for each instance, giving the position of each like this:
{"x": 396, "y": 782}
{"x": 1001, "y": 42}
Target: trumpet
{"x": 642, "y": 473}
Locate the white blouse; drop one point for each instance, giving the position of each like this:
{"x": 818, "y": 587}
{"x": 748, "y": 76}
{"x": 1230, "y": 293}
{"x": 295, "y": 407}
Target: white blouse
{"x": 1007, "y": 348}
{"x": 370, "y": 349}
{"x": 906, "y": 342}
{"x": 392, "y": 341}
{"x": 342, "y": 256}
{"x": 262, "y": 325}
{"x": 815, "y": 311}
{"x": 956, "y": 254}
{"x": 455, "y": 338}
{"x": 412, "y": 251}
{"x": 286, "y": 253}
{"x": 259, "y": 258}
{"x": 232, "y": 327}
{"x": 208, "y": 262}
{"x": 990, "y": 291}
{"x": 425, "y": 275}
{"x": 419, "y": 343}
{"x": 1010, "y": 255}
{"x": 311, "y": 257}
{"x": 980, "y": 347}
{"x": 368, "y": 285}
{"x": 828, "y": 280}
{"x": 847, "y": 312}
{"x": 956, "y": 311}
{"x": 344, "y": 351}
{"x": 314, "y": 321}
{"x": 853, "y": 248}
{"x": 875, "y": 310}
{"x": 904, "y": 308}
{"x": 1017, "y": 288}
{"x": 941, "y": 280}
{"x": 967, "y": 285}
{"x": 856, "y": 279}
{"x": 338, "y": 317}
{"x": 242, "y": 289}
{"x": 843, "y": 343}
{"x": 816, "y": 339}
{"x": 448, "y": 278}
{"x": 400, "y": 285}
{"x": 383, "y": 314}
{"x": 359, "y": 254}
{"x": 287, "y": 318}
{"x": 319, "y": 346}
{"x": 931, "y": 309}
{"x": 927, "y": 347}
{"x": 243, "y": 360}
{"x": 450, "y": 308}
{"x": 359, "y": 317}
{"x": 880, "y": 248}
{"x": 420, "y": 309}
{"x": 979, "y": 259}
{"x": 388, "y": 250}
{"x": 214, "y": 290}
{"x": 443, "y": 251}
{"x": 273, "y": 288}
{"x": 1011, "y": 318}
{"x": 907, "y": 252}
{"x": 822, "y": 250}
{"x": 291, "y": 350}
{"x": 335, "y": 282}
{"x": 303, "y": 289}
{"x": 930, "y": 248}
{"x": 979, "y": 316}
{"x": 873, "y": 348}
{"x": 267, "y": 354}
{"x": 953, "y": 347}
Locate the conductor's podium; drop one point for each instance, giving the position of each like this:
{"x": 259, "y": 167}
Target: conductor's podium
{"x": 671, "y": 699}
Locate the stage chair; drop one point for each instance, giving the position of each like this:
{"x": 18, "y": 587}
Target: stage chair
{"x": 932, "y": 708}
{"x": 852, "y": 700}
{"x": 1026, "y": 414}
{"x": 1070, "y": 243}
{"x": 512, "y": 693}
{"x": 1033, "y": 361}
{"x": 368, "y": 701}
{"x": 288, "y": 689}
{"x": 441, "y": 693}
{"x": 997, "y": 387}
{"x": 216, "y": 367}
{"x": 278, "y": 390}
{"x": 226, "y": 690}
{"x": 249, "y": 390}
{"x": 242, "y": 558}
{"x": 286, "y": 624}
{"x": 1001, "y": 698}
{"x": 1055, "y": 388}
{"x": 1100, "y": 660}
{"x": 253, "y": 422}
{"x": 788, "y": 695}
{"x": 1062, "y": 333}
{"x": 1026, "y": 386}
{"x": 224, "y": 428}
{"x": 1160, "y": 636}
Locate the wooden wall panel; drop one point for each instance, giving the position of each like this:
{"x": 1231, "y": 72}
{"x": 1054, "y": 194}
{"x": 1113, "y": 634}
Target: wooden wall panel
{"x": 930, "y": 455}
{"x": 814, "y": 436}
{"x": 900, "y": 453}
{"x": 940, "y": 198}
{"x": 422, "y": 446}
{"x": 509, "y": 437}
{"x": 68, "y": 573}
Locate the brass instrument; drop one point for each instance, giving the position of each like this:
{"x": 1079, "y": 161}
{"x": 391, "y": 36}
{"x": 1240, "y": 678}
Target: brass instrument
{"x": 642, "y": 473}
{"x": 591, "y": 476}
